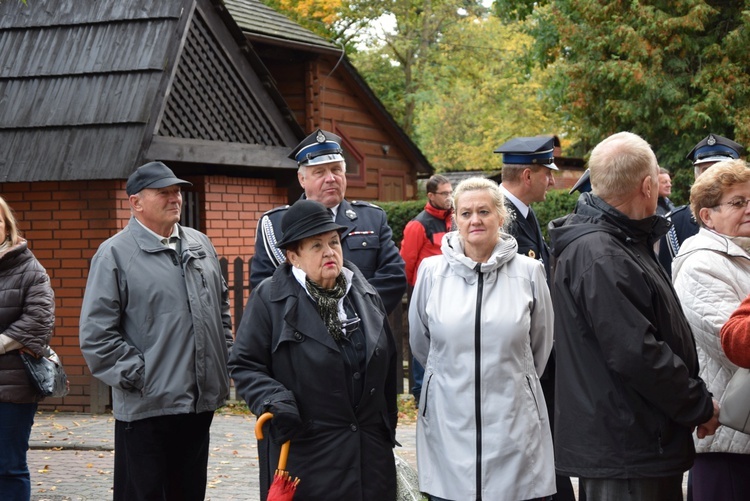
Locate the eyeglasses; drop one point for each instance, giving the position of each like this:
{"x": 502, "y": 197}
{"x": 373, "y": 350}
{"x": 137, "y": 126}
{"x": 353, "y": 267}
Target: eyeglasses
{"x": 443, "y": 193}
{"x": 735, "y": 203}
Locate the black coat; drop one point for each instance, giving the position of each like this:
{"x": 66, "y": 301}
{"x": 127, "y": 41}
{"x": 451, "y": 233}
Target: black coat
{"x": 628, "y": 392}
{"x": 683, "y": 227}
{"x": 529, "y": 236}
{"x": 284, "y": 356}
{"x": 367, "y": 242}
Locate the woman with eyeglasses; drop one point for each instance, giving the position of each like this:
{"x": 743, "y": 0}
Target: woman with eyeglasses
{"x": 711, "y": 275}
{"x": 314, "y": 349}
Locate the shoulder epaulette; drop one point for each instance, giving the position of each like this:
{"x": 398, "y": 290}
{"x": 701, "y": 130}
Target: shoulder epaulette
{"x": 363, "y": 203}
{"x": 675, "y": 211}
{"x": 276, "y": 209}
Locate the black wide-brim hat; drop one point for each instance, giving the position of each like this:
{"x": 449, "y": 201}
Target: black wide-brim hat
{"x": 306, "y": 218}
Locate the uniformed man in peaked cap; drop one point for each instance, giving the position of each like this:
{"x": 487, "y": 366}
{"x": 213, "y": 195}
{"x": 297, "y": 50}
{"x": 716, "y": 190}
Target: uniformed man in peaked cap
{"x": 712, "y": 149}
{"x": 528, "y": 163}
{"x": 368, "y": 240}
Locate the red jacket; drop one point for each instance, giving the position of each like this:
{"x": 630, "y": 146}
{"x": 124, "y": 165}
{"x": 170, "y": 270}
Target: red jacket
{"x": 422, "y": 237}
{"x": 735, "y": 335}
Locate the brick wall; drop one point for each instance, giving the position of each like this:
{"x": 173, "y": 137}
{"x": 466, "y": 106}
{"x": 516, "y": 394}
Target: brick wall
{"x": 65, "y": 222}
{"x": 231, "y": 212}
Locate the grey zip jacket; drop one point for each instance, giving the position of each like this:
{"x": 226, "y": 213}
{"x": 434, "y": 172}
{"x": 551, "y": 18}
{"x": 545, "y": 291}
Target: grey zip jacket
{"x": 155, "y": 324}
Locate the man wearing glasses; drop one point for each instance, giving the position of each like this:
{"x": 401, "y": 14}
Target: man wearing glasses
{"x": 422, "y": 238}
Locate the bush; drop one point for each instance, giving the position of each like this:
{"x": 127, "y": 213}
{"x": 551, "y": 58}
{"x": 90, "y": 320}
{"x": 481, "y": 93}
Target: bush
{"x": 400, "y": 213}
{"x": 557, "y": 204}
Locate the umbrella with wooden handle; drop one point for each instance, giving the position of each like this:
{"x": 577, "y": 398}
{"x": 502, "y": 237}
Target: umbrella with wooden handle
{"x": 284, "y": 485}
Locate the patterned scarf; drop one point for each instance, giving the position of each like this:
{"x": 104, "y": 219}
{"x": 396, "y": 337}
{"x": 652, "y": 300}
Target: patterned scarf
{"x": 327, "y": 302}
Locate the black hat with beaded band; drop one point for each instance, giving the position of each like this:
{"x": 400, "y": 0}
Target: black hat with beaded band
{"x": 306, "y": 218}
{"x": 152, "y": 175}
{"x": 537, "y": 150}
{"x": 320, "y": 147}
{"x": 715, "y": 148}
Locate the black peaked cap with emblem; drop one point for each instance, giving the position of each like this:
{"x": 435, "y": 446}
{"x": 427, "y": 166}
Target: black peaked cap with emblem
{"x": 538, "y": 150}
{"x": 715, "y": 148}
{"x": 318, "y": 148}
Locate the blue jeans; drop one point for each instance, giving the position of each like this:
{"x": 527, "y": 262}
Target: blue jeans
{"x": 15, "y": 429}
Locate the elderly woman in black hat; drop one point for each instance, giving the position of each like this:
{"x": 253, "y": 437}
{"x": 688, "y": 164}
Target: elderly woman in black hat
{"x": 314, "y": 349}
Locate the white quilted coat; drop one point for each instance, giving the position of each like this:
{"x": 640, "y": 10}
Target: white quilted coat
{"x": 711, "y": 275}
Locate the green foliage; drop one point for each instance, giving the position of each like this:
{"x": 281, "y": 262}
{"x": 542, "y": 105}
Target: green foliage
{"x": 557, "y": 204}
{"x": 400, "y": 213}
{"x": 669, "y": 71}
{"x": 478, "y": 93}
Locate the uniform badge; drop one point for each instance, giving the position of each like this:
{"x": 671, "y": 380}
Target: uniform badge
{"x": 351, "y": 214}
{"x": 711, "y": 140}
{"x": 532, "y": 254}
{"x": 320, "y": 137}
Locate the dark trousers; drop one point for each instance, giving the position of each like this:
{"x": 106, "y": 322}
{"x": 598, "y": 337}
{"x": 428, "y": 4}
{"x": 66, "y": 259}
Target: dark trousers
{"x": 16, "y": 421}
{"x": 721, "y": 475}
{"x": 417, "y": 371}
{"x": 633, "y": 489}
{"x": 162, "y": 458}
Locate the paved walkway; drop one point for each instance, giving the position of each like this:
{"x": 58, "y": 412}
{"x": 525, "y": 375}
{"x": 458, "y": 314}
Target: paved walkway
{"x": 71, "y": 457}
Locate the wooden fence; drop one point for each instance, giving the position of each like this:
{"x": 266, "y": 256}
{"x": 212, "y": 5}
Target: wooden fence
{"x": 240, "y": 288}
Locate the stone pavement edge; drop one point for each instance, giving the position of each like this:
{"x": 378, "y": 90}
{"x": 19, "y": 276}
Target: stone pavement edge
{"x": 71, "y": 456}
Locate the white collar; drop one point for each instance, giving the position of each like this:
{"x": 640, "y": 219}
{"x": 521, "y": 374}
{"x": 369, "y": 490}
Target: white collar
{"x": 522, "y": 207}
{"x": 175, "y": 232}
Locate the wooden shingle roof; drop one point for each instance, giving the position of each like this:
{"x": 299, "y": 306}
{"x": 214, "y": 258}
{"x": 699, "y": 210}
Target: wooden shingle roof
{"x": 90, "y": 89}
{"x": 255, "y": 17}
{"x": 263, "y": 24}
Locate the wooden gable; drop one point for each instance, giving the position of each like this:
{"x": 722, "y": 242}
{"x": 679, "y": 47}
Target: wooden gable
{"x": 324, "y": 90}
{"x": 93, "y": 88}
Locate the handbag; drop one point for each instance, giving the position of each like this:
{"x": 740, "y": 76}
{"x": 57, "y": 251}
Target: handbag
{"x": 46, "y": 373}
{"x": 735, "y": 402}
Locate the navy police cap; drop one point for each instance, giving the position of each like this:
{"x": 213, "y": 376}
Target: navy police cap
{"x": 529, "y": 151}
{"x": 714, "y": 148}
{"x": 320, "y": 147}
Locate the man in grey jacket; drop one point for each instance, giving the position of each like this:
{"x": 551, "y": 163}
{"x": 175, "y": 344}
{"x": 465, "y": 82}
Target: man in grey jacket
{"x": 155, "y": 326}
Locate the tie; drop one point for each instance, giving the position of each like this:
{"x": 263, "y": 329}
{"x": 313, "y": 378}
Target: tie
{"x": 330, "y": 211}
{"x": 531, "y": 218}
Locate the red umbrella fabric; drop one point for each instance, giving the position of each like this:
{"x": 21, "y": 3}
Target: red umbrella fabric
{"x": 284, "y": 485}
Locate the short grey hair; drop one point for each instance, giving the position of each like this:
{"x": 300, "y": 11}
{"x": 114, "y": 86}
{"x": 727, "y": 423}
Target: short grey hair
{"x": 619, "y": 163}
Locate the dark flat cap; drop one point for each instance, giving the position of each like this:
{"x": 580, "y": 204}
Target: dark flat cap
{"x": 152, "y": 175}
{"x": 306, "y": 218}
{"x": 537, "y": 150}
{"x": 320, "y": 147}
{"x": 583, "y": 184}
{"x": 714, "y": 148}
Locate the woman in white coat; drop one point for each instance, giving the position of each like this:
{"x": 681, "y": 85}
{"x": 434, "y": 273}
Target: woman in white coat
{"x": 480, "y": 322}
{"x": 711, "y": 275}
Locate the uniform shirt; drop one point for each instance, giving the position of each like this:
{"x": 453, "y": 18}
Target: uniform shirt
{"x": 367, "y": 242}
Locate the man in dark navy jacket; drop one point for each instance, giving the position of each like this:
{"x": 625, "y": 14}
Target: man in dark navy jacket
{"x": 367, "y": 241}
{"x": 712, "y": 149}
{"x": 528, "y": 163}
